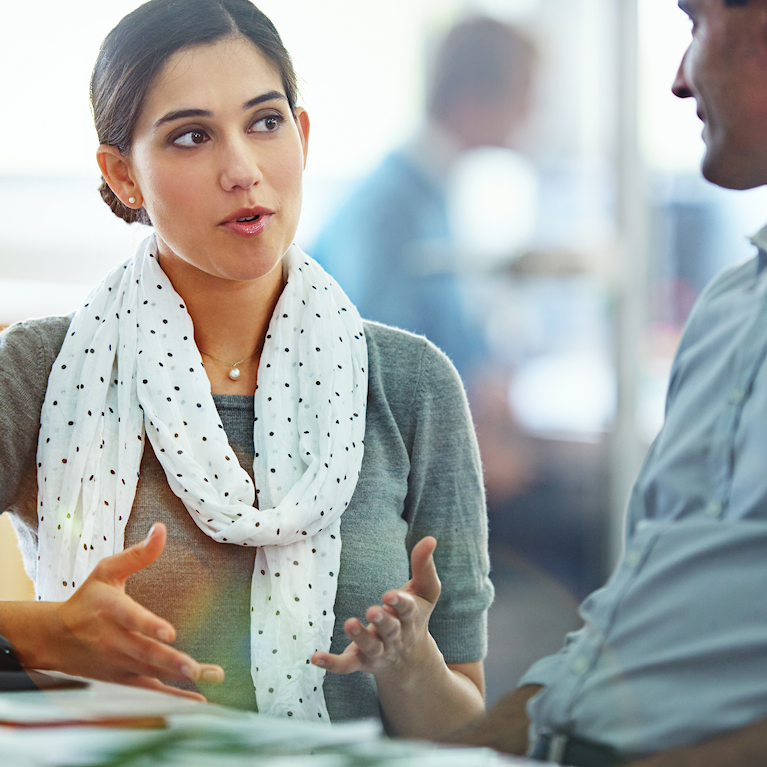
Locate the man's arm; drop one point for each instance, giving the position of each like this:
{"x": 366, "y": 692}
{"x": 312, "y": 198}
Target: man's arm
{"x": 504, "y": 728}
{"x": 504, "y": 725}
{"x": 744, "y": 747}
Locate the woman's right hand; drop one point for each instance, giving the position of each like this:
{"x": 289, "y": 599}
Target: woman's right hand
{"x": 101, "y": 633}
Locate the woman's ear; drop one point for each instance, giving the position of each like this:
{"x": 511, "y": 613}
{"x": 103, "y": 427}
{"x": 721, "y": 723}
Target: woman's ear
{"x": 117, "y": 173}
{"x": 302, "y": 123}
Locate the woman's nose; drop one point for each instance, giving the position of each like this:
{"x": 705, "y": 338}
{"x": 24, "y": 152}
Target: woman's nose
{"x": 240, "y": 168}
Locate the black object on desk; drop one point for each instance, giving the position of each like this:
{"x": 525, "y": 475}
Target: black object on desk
{"x": 15, "y": 678}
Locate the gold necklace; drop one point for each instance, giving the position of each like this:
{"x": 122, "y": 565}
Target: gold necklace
{"x": 235, "y": 372}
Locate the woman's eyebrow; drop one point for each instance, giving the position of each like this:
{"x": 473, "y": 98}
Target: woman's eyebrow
{"x": 268, "y": 96}
{"x": 182, "y": 114}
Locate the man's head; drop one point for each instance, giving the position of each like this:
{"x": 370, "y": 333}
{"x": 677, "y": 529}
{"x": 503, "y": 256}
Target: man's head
{"x": 725, "y": 71}
{"x": 480, "y": 83}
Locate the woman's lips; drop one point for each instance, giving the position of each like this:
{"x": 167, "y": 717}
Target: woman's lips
{"x": 249, "y": 227}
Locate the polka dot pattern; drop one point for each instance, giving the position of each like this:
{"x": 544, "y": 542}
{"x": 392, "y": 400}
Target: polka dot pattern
{"x": 129, "y": 370}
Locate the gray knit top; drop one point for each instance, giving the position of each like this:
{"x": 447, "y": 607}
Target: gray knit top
{"x": 420, "y": 475}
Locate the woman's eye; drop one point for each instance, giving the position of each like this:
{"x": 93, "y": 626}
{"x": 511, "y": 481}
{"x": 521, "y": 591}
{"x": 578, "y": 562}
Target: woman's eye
{"x": 191, "y": 138}
{"x": 268, "y": 124}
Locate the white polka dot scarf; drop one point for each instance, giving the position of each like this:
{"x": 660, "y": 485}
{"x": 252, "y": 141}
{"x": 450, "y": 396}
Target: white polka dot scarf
{"x": 129, "y": 367}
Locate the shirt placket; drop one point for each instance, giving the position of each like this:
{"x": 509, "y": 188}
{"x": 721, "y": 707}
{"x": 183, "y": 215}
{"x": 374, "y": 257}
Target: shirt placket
{"x": 748, "y": 361}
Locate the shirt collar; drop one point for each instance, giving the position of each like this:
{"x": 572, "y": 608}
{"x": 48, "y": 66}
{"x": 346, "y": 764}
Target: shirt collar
{"x": 759, "y": 241}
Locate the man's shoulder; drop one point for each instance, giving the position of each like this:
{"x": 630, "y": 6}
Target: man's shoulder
{"x": 732, "y": 278}
{"x": 717, "y": 323}
{"x": 720, "y": 293}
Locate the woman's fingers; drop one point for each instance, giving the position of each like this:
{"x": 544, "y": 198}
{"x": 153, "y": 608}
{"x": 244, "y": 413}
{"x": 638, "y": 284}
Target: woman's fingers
{"x": 151, "y": 683}
{"x": 144, "y": 648}
{"x": 386, "y": 625}
{"x": 210, "y": 673}
{"x": 134, "y": 617}
{"x": 347, "y": 662}
{"x": 401, "y": 604}
{"x": 366, "y": 648}
{"x": 424, "y": 582}
{"x": 370, "y": 642}
{"x": 111, "y": 636}
{"x": 154, "y": 658}
{"x": 116, "y": 569}
{"x": 397, "y": 632}
{"x": 127, "y": 653}
{"x": 139, "y": 657}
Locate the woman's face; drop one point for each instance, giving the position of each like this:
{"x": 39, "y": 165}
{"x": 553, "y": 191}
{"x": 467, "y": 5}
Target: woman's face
{"x": 218, "y": 158}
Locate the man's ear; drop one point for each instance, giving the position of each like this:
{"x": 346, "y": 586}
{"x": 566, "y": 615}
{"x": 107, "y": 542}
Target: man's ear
{"x": 116, "y": 171}
{"x": 302, "y": 123}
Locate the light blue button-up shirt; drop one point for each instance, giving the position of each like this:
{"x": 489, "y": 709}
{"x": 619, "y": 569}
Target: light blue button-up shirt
{"x": 674, "y": 646}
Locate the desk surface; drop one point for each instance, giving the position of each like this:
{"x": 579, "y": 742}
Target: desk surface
{"x": 50, "y": 732}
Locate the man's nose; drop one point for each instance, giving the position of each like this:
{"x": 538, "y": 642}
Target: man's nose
{"x": 680, "y": 88}
{"x": 240, "y": 167}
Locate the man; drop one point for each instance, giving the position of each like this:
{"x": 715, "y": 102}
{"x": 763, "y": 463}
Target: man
{"x": 670, "y": 668}
{"x": 390, "y": 244}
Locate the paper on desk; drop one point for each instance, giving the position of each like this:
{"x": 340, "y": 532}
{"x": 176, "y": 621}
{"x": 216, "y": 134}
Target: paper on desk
{"x": 200, "y": 735}
{"x": 99, "y": 701}
{"x": 88, "y": 747}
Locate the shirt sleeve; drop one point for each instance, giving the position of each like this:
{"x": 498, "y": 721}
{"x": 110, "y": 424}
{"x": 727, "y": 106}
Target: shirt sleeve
{"x": 446, "y": 499}
{"x": 546, "y": 670}
{"x": 27, "y": 352}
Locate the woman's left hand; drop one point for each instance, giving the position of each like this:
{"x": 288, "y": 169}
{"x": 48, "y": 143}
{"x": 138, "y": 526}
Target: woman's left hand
{"x": 397, "y": 635}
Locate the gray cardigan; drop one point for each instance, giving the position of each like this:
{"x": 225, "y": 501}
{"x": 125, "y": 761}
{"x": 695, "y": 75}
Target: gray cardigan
{"x": 420, "y": 475}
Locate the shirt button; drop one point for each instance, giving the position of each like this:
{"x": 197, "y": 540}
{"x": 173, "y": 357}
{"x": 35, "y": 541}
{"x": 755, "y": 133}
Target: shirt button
{"x": 714, "y": 509}
{"x": 632, "y": 558}
{"x": 580, "y": 665}
{"x": 737, "y": 396}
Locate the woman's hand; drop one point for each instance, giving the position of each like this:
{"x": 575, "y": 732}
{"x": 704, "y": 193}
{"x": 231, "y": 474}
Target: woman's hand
{"x": 396, "y": 639}
{"x": 101, "y": 633}
{"x": 420, "y": 696}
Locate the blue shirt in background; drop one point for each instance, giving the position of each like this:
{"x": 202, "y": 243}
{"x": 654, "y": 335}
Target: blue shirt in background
{"x": 390, "y": 248}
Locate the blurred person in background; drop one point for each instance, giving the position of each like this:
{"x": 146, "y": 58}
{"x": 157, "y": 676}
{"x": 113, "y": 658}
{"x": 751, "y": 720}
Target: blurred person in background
{"x": 390, "y": 244}
{"x": 669, "y": 669}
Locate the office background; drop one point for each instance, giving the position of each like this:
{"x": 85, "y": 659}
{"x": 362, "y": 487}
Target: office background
{"x": 585, "y": 247}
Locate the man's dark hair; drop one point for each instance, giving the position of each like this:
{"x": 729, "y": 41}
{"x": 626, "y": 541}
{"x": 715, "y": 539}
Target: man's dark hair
{"x": 480, "y": 57}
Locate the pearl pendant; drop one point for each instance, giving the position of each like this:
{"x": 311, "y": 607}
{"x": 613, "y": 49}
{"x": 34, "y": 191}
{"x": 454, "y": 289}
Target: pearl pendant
{"x": 234, "y": 374}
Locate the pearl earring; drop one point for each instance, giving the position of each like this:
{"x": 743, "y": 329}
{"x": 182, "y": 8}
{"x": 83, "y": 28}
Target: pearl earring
{"x": 131, "y": 200}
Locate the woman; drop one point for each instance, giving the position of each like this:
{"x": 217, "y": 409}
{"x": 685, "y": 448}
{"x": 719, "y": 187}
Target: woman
{"x": 355, "y": 450}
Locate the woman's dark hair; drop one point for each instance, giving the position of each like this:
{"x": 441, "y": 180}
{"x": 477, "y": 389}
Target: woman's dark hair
{"x": 135, "y": 51}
